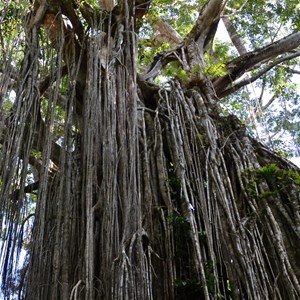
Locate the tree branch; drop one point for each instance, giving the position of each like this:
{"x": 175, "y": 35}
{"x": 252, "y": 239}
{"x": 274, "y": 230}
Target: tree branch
{"x": 159, "y": 62}
{"x": 68, "y": 10}
{"x": 293, "y": 71}
{"x": 257, "y": 76}
{"x": 167, "y": 33}
{"x": 236, "y": 41}
{"x": 106, "y": 5}
{"x": 201, "y": 34}
{"x": 251, "y": 60}
{"x": 89, "y": 14}
{"x": 141, "y": 8}
{"x": 264, "y": 108}
{"x": 38, "y": 13}
{"x": 208, "y": 17}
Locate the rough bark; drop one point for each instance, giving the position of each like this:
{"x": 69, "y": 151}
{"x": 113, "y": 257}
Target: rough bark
{"x": 251, "y": 60}
{"x": 154, "y": 194}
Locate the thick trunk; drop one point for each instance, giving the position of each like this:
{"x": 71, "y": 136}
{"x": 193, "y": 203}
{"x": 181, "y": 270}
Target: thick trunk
{"x": 154, "y": 194}
{"x": 166, "y": 204}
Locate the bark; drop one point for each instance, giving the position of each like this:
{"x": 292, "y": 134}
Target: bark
{"x": 240, "y": 82}
{"x": 233, "y": 34}
{"x": 154, "y": 194}
{"x": 106, "y": 5}
{"x": 204, "y": 31}
{"x": 165, "y": 33}
{"x": 208, "y": 16}
{"x": 254, "y": 59}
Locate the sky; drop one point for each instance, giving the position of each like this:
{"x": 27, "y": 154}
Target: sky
{"x": 223, "y": 36}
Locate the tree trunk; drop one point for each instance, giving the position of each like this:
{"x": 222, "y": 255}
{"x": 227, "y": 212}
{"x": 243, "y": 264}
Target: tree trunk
{"x": 154, "y": 194}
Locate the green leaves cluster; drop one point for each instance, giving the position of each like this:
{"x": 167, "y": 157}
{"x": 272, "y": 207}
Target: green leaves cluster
{"x": 180, "y": 14}
{"x": 278, "y": 123}
{"x": 213, "y": 69}
{"x": 273, "y": 19}
{"x": 278, "y": 180}
{"x": 11, "y": 29}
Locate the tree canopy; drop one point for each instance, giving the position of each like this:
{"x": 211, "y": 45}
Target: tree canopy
{"x": 144, "y": 156}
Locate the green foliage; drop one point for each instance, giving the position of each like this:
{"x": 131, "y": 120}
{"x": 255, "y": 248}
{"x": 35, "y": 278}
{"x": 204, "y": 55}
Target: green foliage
{"x": 273, "y": 17}
{"x": 215, "y": 60}
{"x": 175, "y": 70}
{"x": 174, "y": 182}
{"x": 7, "y": 104}
{"x": 210, "y": 276}
{"x": 202, "y": 235}
{"x": 236, "y": 105}
{"x": 278, "y": 180}
{"x": 12, "y": 31}
{"x": 274, "y": 20}
{"x": 147, "y": 52}
{"x": 267, "y": 172}
{"x": 177, "y": 220}
{"x": 190, "y": 288}
{"x": 181, "y": 15}
{"x": 37, "y": 154}
{"x": 215, "y": 70}
{"x": 280, "y": 119}
{"x": 181, "y": 232}
{"x": 221, "y": 51}
{"x": 93, "y": 3}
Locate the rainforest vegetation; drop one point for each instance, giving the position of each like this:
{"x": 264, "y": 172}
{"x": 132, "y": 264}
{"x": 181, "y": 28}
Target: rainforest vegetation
{"x": 145, "y": 149}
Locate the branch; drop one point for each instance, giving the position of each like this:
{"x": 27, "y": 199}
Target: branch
{"x": 141, "y": 9}
{"x": 106, "y": 5}
{"x": 293, "y": 71}
{"x": 38, "y": 13}
{"x": 89, "y": 14}
{"x": 236, "y": 41}
{"x": 202, "y": 33}
{"x": 251, "y": 60}
{"x": 31, "y": 187}
{"x": 264, "y": 108}
{"x": 167, "y": 33}
{"x": 48, "y": 80}
{"x": 234, "y": 12}
{"x": 69, "y": 11}
{"x": 257, "y": 76}
{"x": 9, "y": 78}
{"x": 6, "y": 68}
{"x": 209, "y": 17}
{"x": 159, "y": 62}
